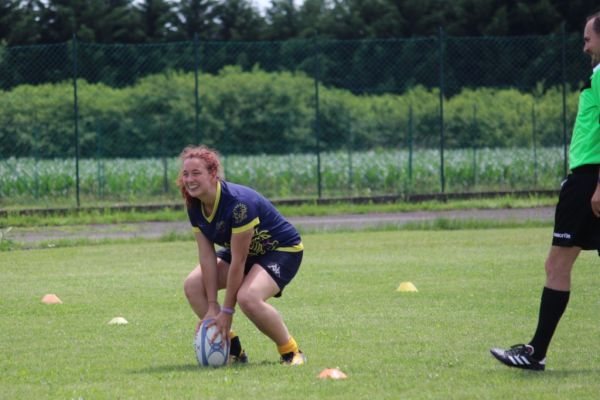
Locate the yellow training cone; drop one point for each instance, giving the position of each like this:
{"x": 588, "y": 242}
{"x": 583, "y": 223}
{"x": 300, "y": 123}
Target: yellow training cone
{"x": 51, "y": 299}
{"x": 118, "y": 321}
{"x": 406, "y": 287}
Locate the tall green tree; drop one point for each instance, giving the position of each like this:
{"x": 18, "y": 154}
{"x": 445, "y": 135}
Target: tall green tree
{"x": 476, "y": 17}
{"x": 283, "y": 20}
{"x": 356, "y": 19}
{"x": 9, "y": 12}
{"x": 315, "y": 18}
{"x": 419, "y": 17}
{"x": 239, "y": 20}
{"x": 158, "y": 20}
{"x": 196, "y": 17}
{"x": 516, "y": 17}
{"x": 121, "y": 23}
{"x": 18, "y": 21}
{"x": 91, "y": 20}
{"x": 574, "y": 12}
{"x": 534, "y": 16}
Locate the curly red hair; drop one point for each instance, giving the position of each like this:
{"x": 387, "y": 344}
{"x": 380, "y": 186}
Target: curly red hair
{"x": 211, "y": 160}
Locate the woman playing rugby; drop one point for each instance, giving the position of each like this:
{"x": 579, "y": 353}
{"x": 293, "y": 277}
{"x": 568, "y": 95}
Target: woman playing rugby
{"x": 260, "y": 253}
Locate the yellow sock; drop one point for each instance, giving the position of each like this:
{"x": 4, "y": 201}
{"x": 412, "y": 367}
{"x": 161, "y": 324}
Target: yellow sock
{"x": 290, "y": 346}
{"x": 232, "y": 334}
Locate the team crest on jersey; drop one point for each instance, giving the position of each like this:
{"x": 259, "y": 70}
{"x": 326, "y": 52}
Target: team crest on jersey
{"x": 220, "y": 226}
{"x": 240, "y": 213}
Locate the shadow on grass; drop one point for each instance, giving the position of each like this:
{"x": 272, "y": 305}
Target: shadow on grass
{"x": 592, "y": 372}
{"x": 169, "y": 368}
{"x": 554, "y": 374}
{"x": 195, "y": 367}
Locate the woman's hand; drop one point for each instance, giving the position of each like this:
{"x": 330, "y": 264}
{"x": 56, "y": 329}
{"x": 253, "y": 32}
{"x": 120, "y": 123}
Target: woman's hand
{"x": 223, "y": 323}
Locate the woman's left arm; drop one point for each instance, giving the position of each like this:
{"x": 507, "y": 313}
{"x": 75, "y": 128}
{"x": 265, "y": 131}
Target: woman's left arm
{"x": 240, "y": 245}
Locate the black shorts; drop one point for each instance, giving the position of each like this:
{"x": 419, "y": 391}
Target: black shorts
{"x": 574, "y": 222}
{"x": 282, "y": 266}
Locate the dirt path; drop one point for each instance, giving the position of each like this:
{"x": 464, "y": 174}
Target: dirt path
{"x": 347, "y": 221}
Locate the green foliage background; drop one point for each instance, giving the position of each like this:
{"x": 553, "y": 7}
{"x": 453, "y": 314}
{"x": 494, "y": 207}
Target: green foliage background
{"x": 25, "y": 22}
{"x": 261, "y": 112}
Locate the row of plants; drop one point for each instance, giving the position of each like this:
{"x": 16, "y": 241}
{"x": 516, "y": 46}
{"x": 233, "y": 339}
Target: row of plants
{"x": 292, "y": 176}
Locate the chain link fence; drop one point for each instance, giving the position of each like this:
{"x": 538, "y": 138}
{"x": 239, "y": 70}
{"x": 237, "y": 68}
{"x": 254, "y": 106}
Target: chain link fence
{"x": 84, "y": 123}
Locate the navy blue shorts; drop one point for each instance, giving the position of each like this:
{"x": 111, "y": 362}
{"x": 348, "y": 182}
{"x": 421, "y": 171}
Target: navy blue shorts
{"x": 282, "y": 266}
{"x": 574, "y": 222}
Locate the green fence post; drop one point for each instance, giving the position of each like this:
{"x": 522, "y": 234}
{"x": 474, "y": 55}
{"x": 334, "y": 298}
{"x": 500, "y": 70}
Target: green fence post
{"x": 441, "y": 61}
{"x": 99, "y": 163}
{"x": 564, "y": 94}
{"x": 36, "y": 157}
{"x": 350, "y": 167}
{"x": 196, "y": 96}
{"x": 410, "y": 146}
{"x": 533, "y": 139}
{"x": 474, "y": 143}
{"x": 163, "y": 154}
{"x": 317, "y": 117}
{"x": 165, "y": 163}
{"x": 76, "y": 118}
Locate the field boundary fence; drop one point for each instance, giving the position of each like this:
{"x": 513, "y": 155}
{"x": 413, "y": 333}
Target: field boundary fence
{"x": 86, "y": 123}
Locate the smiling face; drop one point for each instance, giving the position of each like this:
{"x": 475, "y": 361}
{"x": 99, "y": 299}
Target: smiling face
{"x": 196, "y": 178}
{"x": 591, "y": 42}
{"x": 200, "y": 171}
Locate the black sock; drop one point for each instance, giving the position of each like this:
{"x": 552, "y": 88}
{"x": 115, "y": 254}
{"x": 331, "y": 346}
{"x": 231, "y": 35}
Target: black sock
{"x": 236, "y": 347}
{"x": 552, "y": 307}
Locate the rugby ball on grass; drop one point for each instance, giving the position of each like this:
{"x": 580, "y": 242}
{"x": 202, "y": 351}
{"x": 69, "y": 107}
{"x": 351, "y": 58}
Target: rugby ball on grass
{"x": 210, "y": 352}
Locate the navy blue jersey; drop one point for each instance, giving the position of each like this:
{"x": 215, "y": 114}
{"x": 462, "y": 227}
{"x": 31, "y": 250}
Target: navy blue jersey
{"x": 237, "y": 209}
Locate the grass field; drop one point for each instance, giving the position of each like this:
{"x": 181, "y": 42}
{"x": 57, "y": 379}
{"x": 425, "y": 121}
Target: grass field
{"x": 477, "y": 289}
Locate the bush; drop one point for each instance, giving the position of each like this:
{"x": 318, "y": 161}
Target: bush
{"x": 258, "y": 112}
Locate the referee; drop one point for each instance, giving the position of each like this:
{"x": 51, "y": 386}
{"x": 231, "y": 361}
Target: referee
{"x": 577, "y": 216}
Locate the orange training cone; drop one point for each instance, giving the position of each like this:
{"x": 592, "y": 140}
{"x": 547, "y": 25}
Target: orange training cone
{"x": 332, "y": 373}
{"x": 51, "y": 299}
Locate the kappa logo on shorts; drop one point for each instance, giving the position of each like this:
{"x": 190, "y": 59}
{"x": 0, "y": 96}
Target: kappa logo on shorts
{"x": 276, "y": 269}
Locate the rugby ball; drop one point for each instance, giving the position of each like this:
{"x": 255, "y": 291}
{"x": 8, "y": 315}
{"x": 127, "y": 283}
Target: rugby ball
{"x": 210, "y": 352}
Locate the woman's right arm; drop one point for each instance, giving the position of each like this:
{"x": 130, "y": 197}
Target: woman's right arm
{"x": 208, "y": 264}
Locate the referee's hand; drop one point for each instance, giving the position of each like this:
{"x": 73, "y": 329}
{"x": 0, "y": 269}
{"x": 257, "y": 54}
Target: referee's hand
{"x": 595, "y": 202}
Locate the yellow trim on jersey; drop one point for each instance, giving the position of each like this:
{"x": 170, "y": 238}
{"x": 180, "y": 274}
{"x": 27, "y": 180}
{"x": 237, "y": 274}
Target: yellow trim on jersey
{"x": 246, "y": 227}
{"x": 195, "y": 229}
{"x": 292, "y": 249}
{"x": 214, "y": 210}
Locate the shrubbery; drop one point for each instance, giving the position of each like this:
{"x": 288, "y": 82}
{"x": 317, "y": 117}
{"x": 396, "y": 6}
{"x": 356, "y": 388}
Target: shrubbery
{"x": 260, "y": 112}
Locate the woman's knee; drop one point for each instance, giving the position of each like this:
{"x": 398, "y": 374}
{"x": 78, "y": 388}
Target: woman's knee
{"x": 247, "y": 300}
{"x": 192, "y": 285}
